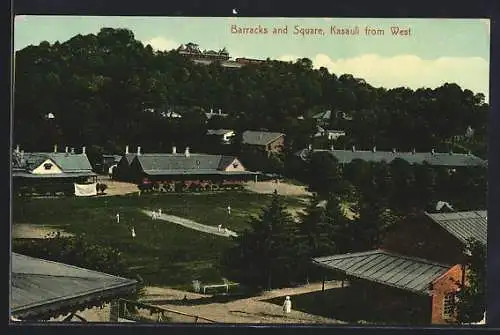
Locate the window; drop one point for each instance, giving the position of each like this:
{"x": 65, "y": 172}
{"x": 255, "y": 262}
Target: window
{"x": 47, "y": 166}
{"x": 448, "y": 305}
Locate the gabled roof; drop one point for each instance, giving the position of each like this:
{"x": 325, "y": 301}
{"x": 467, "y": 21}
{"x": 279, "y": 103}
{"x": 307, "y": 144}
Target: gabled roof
{"x": 40, "y": 286}
{"x": 129, "y": 157}
{"x": 260, "y": 137}
{"x": 435, "y": 159}
{"x": 67, "y": 162}
{"x": 403, "y": 272}
{"x": 219, "y": 132}
{"x": 463, "y": 225}
{"x": 159, "y": 163}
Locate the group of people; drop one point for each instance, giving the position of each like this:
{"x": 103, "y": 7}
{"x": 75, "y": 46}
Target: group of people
{"x": 156, "y": 214}
{"x": 220, "y": 229}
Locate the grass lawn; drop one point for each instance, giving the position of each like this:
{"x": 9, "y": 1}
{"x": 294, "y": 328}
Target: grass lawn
{"x": 162, "y": 253}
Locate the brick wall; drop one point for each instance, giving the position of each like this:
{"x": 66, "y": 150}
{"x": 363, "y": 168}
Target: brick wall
{"x": 441, "y": 287}
{"x": 420, "y": 237}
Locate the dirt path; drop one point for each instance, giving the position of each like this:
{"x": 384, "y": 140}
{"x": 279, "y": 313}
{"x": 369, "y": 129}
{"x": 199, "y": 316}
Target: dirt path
{"x": 268, "y": 187}
{"x": 193, "y": 225}
{"x": 28, "y": 230}
{"x": 117, "y": 187}
{"x": 248, "y": 310}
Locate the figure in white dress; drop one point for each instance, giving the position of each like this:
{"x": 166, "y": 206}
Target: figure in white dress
{"x": 159, "y": 212}
{"x": 219, "y": 228}
{"x": 153, "y": 215}
{"x": 133, "y": 232}
{"x": 117, "y": 217}
{"x": 287, "y": 305}
{"x": 229, "y": 210}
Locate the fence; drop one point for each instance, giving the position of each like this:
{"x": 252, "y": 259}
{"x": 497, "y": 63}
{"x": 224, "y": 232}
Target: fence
{"x": 146, "y": 313}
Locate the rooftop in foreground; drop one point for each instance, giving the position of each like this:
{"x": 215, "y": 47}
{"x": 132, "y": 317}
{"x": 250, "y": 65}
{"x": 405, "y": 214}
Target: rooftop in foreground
{"x": 40, "y": 287}
{"x": 387, "y": 268}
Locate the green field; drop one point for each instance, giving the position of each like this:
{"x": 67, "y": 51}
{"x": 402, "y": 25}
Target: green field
{"x": 162, "y": 253}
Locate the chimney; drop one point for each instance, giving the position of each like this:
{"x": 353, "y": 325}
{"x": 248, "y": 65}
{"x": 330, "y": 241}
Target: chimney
{"x": 393, "y": 150}
{"x": 126, "y": 150}
{"x": 138, "y": 150}
{"x": 72, "y": 150}
{"x": 17, "y": 149}
{"x": 374, "y": 149}
{"x": 174, "y": 150}
{"x": 84, "y": 150}
{"x": 353, "y": 148}
{"x": 55, "y": 147}
{"x": 186, "y": 152}
{"x": 433, "y": 151}
{"x": 66, "y": 149}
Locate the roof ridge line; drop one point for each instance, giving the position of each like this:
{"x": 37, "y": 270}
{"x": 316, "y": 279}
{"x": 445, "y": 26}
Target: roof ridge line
{"x": 65, "y": 264}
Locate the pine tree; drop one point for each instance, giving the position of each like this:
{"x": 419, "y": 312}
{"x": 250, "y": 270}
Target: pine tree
{"x": 266, "y": 253}
{"x": 341, "y": 229}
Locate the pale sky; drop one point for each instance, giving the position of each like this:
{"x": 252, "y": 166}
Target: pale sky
{"x": 435, "y": 52}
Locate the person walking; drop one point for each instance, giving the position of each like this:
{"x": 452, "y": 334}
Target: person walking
{"x": 229, "y": 210}
{"x": 287, "y": 305}
{"x": 133, "y": 232}
{"x": 117, "y": 217}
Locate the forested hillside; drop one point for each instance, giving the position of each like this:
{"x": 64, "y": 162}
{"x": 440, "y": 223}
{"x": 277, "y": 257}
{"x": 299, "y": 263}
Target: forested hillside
{"x": 97, "y": 87}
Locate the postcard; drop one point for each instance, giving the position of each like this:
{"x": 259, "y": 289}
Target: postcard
{"x": 250, "y": 170}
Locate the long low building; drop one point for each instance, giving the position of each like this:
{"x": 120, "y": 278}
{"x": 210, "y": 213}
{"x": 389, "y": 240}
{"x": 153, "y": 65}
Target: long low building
{"x": 50, "y": 171}
{"x": 433, "y": 158}
{"x": 399, "y": 284}
{"x": 186, "y": 167}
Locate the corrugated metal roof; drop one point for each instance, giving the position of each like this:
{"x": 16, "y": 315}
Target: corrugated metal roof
{"x": 36, "y": 282}
{"x": 435, "y": 159}
{"x": 464, "y": 225}
{"x": 181, "y": 161}
{"x": 407, "y": 273}
{"x": 197, "y": 172}
{"x": 259, "y": 137}
{"x": 67, "y": 162}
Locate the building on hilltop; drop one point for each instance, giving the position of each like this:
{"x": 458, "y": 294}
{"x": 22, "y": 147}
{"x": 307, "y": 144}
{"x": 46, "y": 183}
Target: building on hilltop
{"x": 263, "y": 141}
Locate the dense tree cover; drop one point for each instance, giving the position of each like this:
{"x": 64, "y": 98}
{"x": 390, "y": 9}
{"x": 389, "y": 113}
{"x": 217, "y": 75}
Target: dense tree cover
{"x": 107, "y": 90}
{"x": 398, "y": 185}
{"x": 471, "y": 303}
